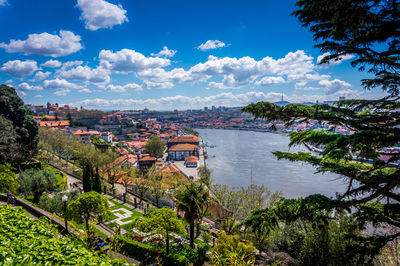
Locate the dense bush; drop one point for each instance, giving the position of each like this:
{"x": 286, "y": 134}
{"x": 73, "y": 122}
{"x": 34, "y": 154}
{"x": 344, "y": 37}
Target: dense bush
{"x": 25, "y": 241}
{"x": 320, "y": 244}
{"x": 178, "y": 256}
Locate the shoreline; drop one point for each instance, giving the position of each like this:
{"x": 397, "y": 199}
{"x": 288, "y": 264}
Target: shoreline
{"x": 246, "y": 129}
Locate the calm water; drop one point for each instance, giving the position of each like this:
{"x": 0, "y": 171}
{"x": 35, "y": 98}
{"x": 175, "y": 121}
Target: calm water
{"x": 237, "y": 152}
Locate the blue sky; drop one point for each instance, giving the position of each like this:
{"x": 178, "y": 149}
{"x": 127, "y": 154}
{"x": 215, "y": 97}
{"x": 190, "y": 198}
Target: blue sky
{"x": 128, "y": 54}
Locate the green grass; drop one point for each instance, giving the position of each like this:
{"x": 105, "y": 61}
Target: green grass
{"x": 111, "y": 217}
{"x": 120, "y": 212}
{"x": 127, "y": 219}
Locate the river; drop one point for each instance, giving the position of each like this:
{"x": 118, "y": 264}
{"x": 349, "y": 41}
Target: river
{"x": 244, "y": 155}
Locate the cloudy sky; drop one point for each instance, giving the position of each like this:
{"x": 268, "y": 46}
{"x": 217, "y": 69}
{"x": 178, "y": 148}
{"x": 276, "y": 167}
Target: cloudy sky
{"x": 165, "y": 54}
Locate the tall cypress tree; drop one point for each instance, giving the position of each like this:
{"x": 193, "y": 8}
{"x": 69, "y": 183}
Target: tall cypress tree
{"x": 97, "y": 182}
{"x": 86, "y": 178}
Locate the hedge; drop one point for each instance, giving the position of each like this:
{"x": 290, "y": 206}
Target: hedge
{"x": 138, "y": 250}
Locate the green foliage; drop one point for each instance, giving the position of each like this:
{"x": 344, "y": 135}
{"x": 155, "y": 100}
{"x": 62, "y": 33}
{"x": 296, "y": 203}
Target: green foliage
{"x": 366, "y": 29}
{"x": 315, "y": 243}
{"x": 259, "y": 224}
{"x": 191, "y": 131}
{"x": 55, "y": 204}
{"x": 36, "y": 182}
{"x": 70, "y": 148}
{"x": 25, "y": 241}
{"x": 61, "y": 176}
{"x": 88, "y": 205}
{"x": 164, "y": 221}
{"x": 238, "y": 203}
{"x": 193, "y": 199}
{"x": 87, "y": 178}
{"x": 8, "y": 180}
{"x": 154, "y": 146}
{"x": 18, "y": 130}
{"x": 228, "y": 250}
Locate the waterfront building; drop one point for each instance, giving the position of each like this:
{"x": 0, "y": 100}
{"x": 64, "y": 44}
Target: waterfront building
{"x": 179, "y": 152}
{"x": 191, "y": 161}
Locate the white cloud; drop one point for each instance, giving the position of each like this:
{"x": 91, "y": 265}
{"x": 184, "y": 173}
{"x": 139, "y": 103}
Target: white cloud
{"x": 21, "y": 93}
{"x": 59, "y": 84}
{"x": 99, "y": 14}
{"x": 86, "y": 90}
{"x": 127, "y": 60}
{"x": 19, "y": 68}
{"x": 46, "y": 44}
{"x": 165, "y": 52}
{"x": 85, "y": 73}
{"x": 181, "y": 102}
{"x": 52, "y": 63}
{"x": 211, "y": 44}
{"x": 126, "y": 87}
{"x": 41, "y": 75}
{"x": 38, "y": 96}
{"x": 333, "y": 86}
{"x": 26, "y": 87}
{"x": 244, "y": 71}
{"x": 62, "y": 92}
{"x": 334, "y": 62}
{"x": 265, "y": 81}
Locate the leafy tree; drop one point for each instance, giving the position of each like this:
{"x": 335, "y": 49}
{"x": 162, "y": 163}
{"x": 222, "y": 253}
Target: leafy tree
{"x": 192, "y": 200}
{"x": 155, "y": 184}
{"x": 69, "y": 117}
{"x": 320, "y": 243}
{"x": 88, "y": 205}
{"x": 369, "y": 31}
{"x": 366, "y": 29}
{"x": 21, "y": 140}
{"x": 154, "y": 146}
{"x": 164, "y": 221}
{"x": 36, "y": 182}
{"x": 97, "y": 182}
{"x": 87, "y": 178}
{"x": 238, "y": 203}
{"x": 8, "y": 180}
{"x": 55, "y": 204}
{"x": 228, "y": 250}
{"x": 204, "y": 174}
{"x": 260, "y": 226}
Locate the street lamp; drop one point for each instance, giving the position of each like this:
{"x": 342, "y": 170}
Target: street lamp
{"x": 64, "y": 200}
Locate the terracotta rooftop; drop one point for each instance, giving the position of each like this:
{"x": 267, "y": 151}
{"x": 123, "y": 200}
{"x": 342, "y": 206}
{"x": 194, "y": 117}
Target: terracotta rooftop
{"x": 183, "y": 147}
{"x": 62, "y": 123}
{"x": 191, "y": 159}
{"x": 81, "y": 132}
{"x": 185, "y": 138}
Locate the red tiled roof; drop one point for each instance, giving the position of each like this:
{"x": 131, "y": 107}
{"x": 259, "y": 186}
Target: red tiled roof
{"x": 81, "y": 132}
{"x": 62, "y": 123}
{"x": 184, "y": 138}
{"x": 183, "y": 147}
{"x": 191, "y": 159}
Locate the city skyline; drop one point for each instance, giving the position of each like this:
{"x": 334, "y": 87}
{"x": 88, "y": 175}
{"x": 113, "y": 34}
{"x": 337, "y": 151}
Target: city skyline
{"x": 166, "y": 55}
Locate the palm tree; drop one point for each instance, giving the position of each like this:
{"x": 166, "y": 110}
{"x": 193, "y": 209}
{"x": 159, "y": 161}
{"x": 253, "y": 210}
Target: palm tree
{"x": 191, "y": 199}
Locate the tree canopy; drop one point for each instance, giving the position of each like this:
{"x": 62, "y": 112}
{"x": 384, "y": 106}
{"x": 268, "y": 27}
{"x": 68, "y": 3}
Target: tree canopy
{"x": 8, "y": 179}
{"x": 36, "y": 182}
{"x": 18, "y": 130}
{"x": 154, "y": 146}
{"x": 368, "y": 30}
{"x": 164, "y": 221}
{"x": 88, "y": 205}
